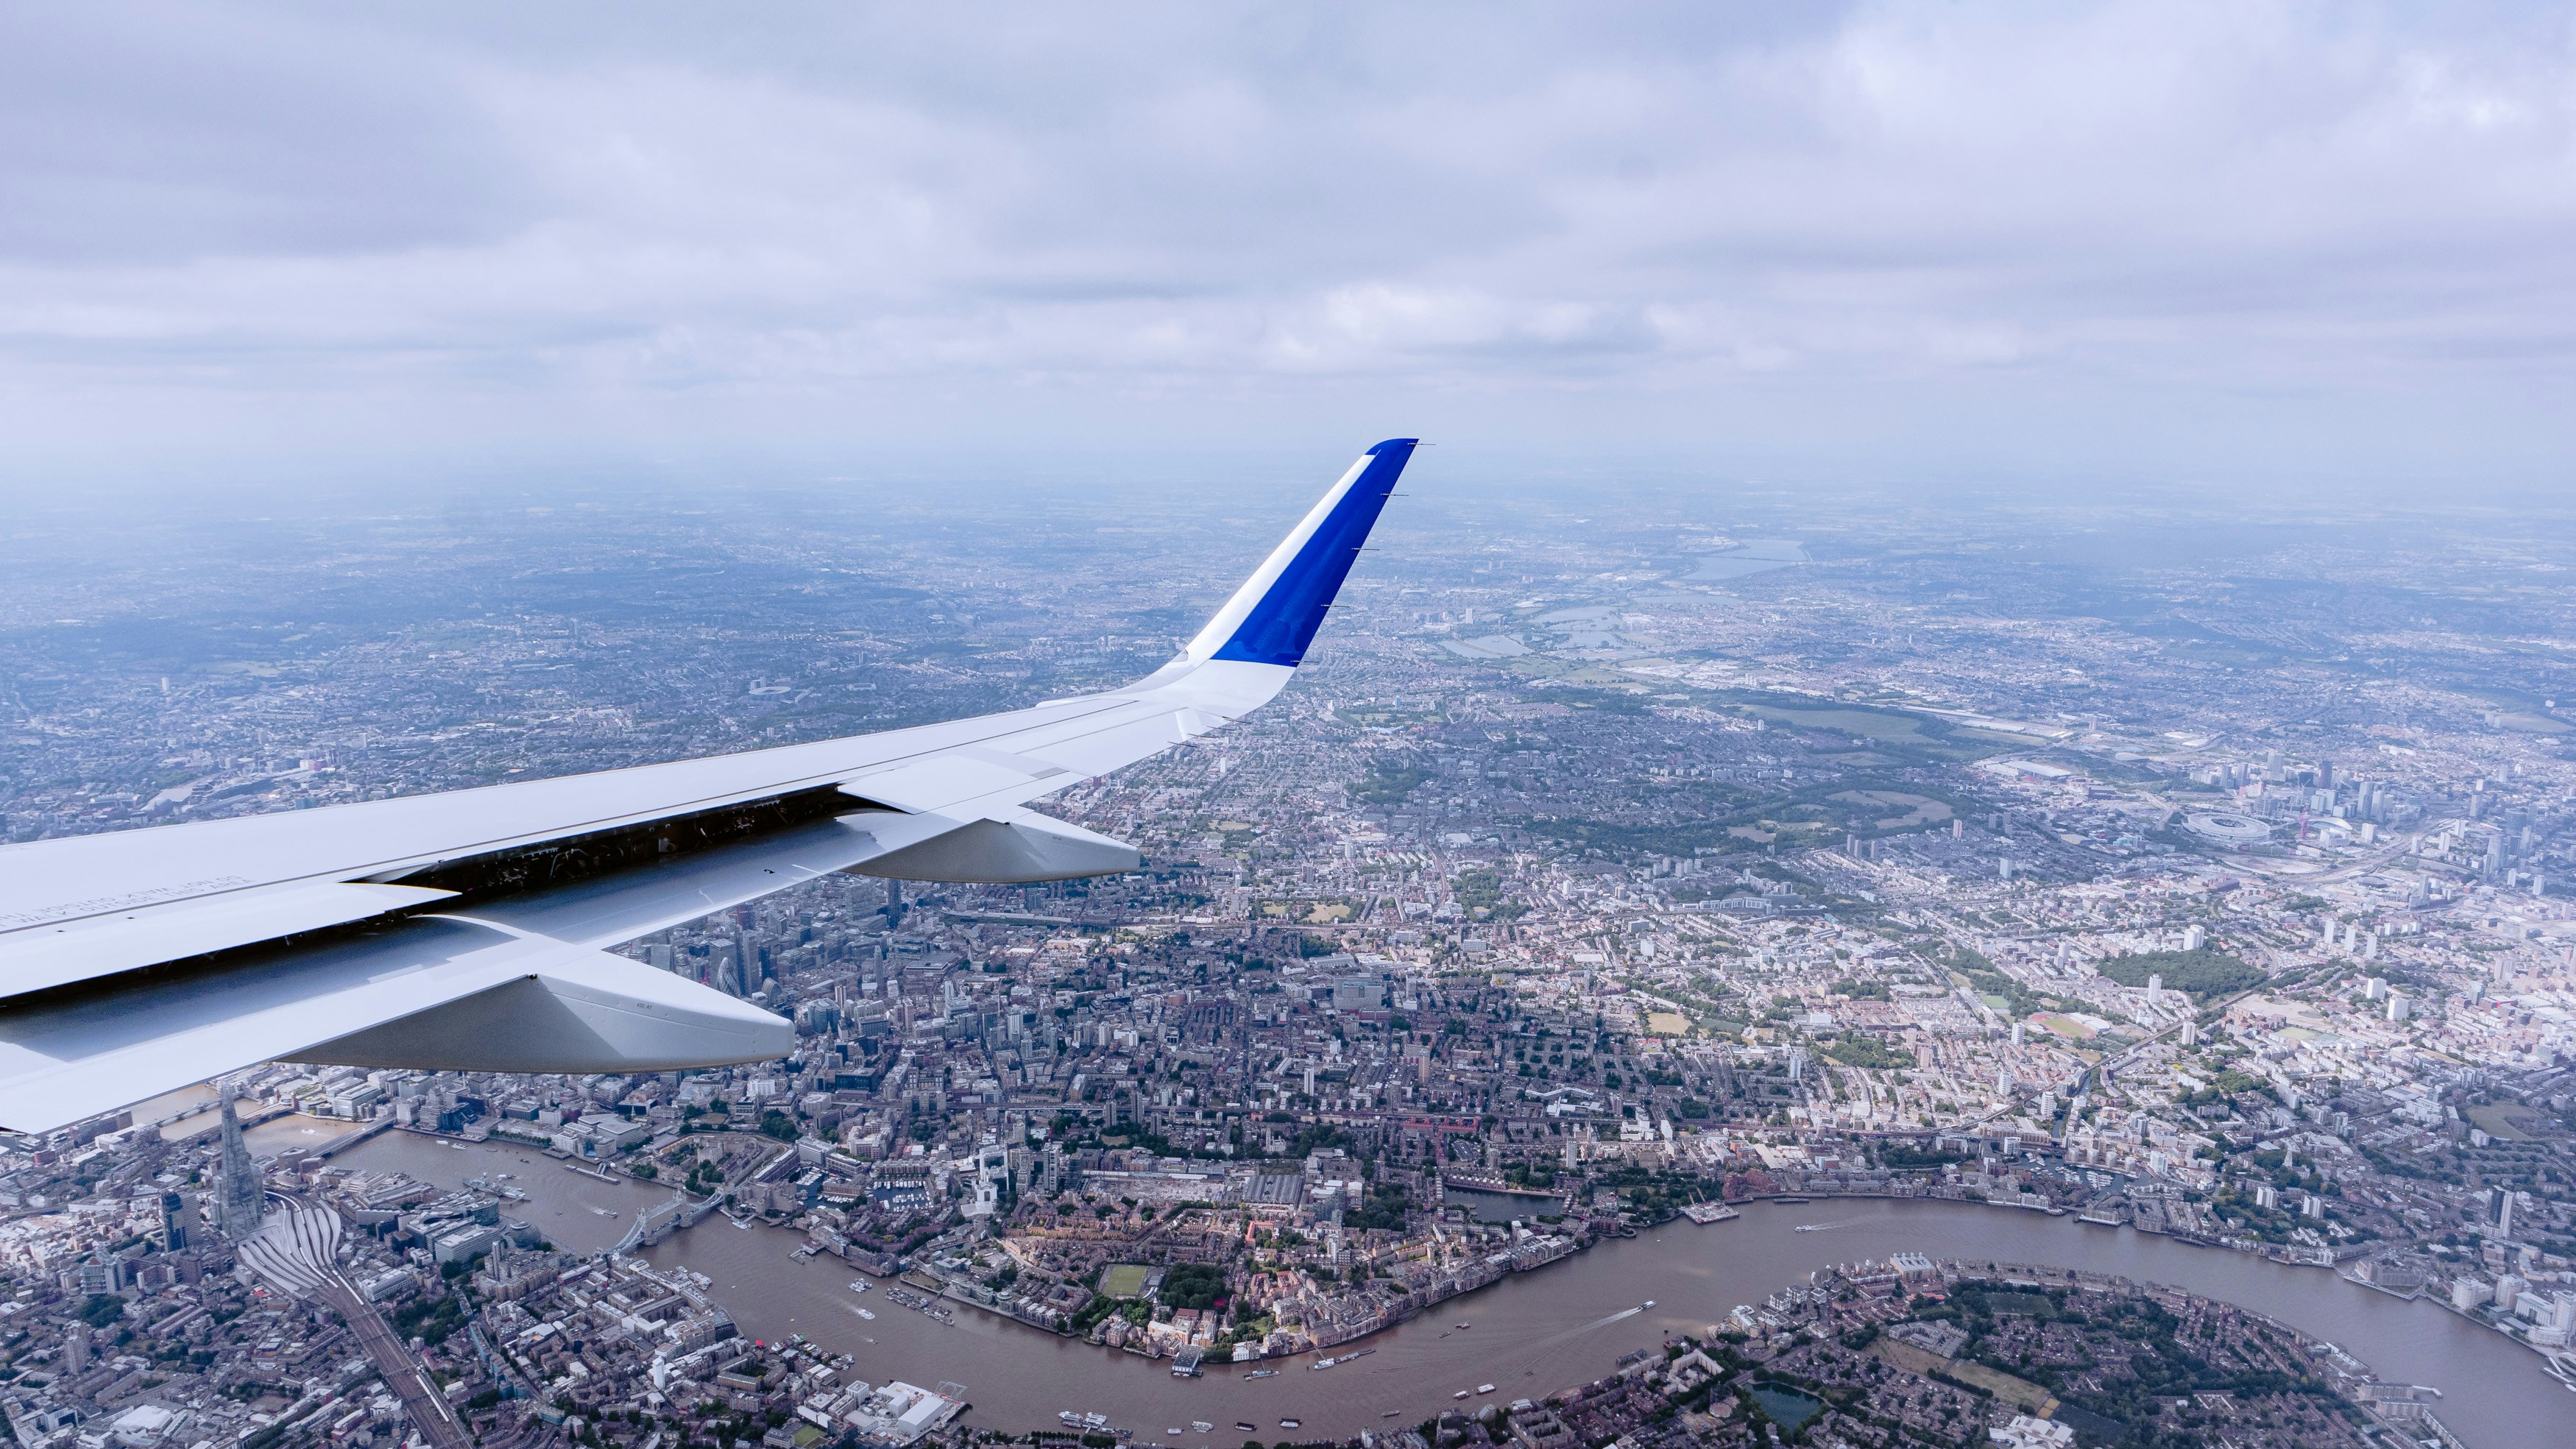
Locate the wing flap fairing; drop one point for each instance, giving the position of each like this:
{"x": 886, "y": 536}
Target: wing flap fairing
{"x": 1016, "y": 846}
{"x": 579, "y": 1012}
{"x": 68, "y": 1055}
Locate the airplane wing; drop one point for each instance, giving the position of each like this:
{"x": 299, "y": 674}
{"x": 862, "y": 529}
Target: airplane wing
{"x": 467, "y": 930}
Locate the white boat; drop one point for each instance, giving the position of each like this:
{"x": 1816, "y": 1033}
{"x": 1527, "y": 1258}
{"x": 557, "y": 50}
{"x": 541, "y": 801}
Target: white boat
{"x": 1263, "y": 1374}
{"x": 1462, "y": 1393}
{"x": 1804, "y": 1228}
{"x": 1484, "y": 1388}
{"x": 859, "y": 1285}
{"x": 1649, "y": 1303}
{"x": 1321, "y": 1363}
{"x": 1201, "y": 1426}
{"x": 1290, "y": 1423}
{"x": 868, "y": 1315}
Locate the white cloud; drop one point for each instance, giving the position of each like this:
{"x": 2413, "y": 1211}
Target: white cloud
{"x": 1130, "y": 224}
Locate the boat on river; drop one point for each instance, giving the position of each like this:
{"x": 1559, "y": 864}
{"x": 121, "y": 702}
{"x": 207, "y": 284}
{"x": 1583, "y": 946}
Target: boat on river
{"x": 1263, "y": 1374}
{"x": 1291, "y": 1423}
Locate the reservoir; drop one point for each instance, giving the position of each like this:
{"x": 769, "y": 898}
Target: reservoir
{"x": 1531, "y": 1334}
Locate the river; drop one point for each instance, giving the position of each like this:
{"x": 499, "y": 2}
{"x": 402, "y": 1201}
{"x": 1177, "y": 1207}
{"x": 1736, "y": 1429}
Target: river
{"x": 1532, "y": 1333}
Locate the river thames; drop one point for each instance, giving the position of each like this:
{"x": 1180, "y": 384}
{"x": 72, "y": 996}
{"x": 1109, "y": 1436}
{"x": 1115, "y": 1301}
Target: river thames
{"x": 1530, "y": 1335}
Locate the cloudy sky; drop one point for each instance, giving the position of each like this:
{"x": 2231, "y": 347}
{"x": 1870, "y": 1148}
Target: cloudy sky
{"x": 2072, "y": 242}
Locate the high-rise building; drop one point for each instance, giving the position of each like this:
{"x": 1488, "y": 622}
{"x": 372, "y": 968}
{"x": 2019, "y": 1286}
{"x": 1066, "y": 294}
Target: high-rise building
{"x": 174, "y": 1222}
{"x": 101, "y": 1274}
{"x": 239, "y": 1193}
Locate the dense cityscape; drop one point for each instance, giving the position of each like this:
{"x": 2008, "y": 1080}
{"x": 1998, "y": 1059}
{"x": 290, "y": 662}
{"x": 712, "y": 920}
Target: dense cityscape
{"x": 1608, "y": 870}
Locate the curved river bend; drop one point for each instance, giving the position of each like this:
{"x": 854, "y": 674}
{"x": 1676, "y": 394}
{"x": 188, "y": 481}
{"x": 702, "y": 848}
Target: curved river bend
{"x": 1532, "y": 1334}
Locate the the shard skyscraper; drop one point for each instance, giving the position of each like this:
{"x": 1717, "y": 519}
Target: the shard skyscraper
{"x": 239, "y": 1193}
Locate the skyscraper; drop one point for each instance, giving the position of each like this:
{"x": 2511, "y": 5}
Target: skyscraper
{"x": 239, "y": 1193}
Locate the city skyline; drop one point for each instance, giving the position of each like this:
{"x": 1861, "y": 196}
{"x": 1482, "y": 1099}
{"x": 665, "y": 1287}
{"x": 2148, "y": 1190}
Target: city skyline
{"x": 1611, "y": 858}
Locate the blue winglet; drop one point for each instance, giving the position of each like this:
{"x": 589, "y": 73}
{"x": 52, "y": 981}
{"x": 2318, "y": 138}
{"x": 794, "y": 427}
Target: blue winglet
{"x": 1280, "y": 627}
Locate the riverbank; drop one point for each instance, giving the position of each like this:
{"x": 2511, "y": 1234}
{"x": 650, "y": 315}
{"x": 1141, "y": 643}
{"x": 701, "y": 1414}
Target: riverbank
{"x": 1531, "y": 1333}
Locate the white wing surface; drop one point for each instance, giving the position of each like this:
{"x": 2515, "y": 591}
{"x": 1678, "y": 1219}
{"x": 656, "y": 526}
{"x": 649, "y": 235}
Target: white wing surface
{"x": 466, "y": 930}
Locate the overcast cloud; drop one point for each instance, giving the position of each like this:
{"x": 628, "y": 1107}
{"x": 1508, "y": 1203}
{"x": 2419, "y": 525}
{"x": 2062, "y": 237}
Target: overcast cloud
{"x": 2111, "y": 241}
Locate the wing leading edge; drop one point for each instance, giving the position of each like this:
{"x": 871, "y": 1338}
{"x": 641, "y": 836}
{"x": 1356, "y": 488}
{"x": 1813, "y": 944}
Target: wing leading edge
{"x": 467, "y": 929}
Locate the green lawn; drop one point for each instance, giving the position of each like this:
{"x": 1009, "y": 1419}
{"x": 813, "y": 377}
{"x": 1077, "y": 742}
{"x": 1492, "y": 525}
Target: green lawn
{"x": 1124, "y": 1280}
